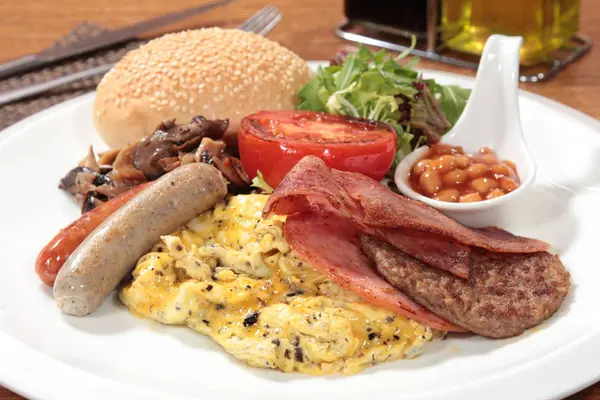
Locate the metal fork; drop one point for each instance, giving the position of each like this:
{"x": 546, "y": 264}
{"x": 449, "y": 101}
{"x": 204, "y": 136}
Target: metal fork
{"x": 260, "y": 23}
{"x": 263, "y": 21}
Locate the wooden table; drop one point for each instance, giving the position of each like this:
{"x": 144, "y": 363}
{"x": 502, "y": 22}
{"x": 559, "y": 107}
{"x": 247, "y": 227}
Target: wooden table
{"x": 29, "y": 26}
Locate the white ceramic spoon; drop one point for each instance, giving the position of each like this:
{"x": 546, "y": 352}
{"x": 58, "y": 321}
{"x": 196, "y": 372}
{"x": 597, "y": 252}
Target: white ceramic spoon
{"x": 491, "y": 118}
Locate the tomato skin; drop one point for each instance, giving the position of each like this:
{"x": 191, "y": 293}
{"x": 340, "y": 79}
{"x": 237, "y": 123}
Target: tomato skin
{"x": 272, "y": 142}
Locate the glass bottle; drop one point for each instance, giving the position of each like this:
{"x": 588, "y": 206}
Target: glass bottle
{"x": 546, "y": 25}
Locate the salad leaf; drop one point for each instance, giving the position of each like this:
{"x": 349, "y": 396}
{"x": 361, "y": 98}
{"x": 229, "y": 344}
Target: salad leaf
{"x": 403, "y": 144}
{"x": 453, "y": 100}
{"x": 427, "y": 115}
{"x": 260, "y": 183}
{"x": 376, "y": 86}
{"x": 310, "y": 96}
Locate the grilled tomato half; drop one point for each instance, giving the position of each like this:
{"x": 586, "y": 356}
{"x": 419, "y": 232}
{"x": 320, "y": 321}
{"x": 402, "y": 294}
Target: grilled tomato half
{"x": 272, "y": 142}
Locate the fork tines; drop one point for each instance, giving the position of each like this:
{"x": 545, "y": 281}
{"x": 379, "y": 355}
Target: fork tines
{"x": 263, "y": 21}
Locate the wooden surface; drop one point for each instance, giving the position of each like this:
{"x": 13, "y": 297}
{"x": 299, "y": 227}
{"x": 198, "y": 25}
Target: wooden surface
{"x": 31, "y": 25}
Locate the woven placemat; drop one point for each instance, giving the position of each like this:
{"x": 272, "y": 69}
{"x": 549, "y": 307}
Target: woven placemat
{"x": 14, "y": 112}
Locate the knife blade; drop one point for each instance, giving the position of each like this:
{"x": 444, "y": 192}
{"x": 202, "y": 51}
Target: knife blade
{"x": 103, "y": 40}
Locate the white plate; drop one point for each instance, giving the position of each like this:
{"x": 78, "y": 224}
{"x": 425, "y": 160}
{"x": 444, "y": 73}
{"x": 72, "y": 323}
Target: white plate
{"x": 112, "y": 354}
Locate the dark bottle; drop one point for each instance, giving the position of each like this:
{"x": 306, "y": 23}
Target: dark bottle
{"x": 404, "y": 15}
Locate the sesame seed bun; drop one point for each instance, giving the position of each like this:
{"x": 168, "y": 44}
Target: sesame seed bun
{"x": 217, "y": 73}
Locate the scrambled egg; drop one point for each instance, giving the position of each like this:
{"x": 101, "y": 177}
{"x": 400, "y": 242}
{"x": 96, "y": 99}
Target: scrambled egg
{"x": 230, "y": 274}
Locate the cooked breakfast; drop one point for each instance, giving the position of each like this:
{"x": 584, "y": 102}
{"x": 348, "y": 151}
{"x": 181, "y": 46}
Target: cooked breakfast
{"x": 106, "y": 255}
{"x": 268, "y": 222}
{"x": 330, "y": 209}
{"x": 446, "y": 173}
{"x": 230, "y": 274}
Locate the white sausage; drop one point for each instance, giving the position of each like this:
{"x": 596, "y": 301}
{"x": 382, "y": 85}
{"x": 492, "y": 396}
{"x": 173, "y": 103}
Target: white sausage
{"x": 111, "y": 250}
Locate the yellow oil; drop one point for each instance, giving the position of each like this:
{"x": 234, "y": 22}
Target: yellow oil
{"x": 545, "y": 25}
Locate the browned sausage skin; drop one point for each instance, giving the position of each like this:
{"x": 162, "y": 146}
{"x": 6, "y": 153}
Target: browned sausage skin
{"x": 55, "y": 253}
{"x": 109, "y": 253}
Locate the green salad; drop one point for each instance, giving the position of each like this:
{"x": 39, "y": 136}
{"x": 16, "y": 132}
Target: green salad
{"x": 376, "y": 86}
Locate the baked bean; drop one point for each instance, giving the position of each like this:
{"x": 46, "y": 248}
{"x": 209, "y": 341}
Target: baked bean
{"x": 477, "y": 170}
{"x": 421, "y": 166}
{"x": 450, "y": 195}
{"x": 513, "y": 174}
{"x": 447, "y": 174}
{"x": 510, "y": 164}
{"x": 500, "y": 169}
{"x": 484, "y": 185}
{"x": 430, "y": 182}
{"x": 441, "y": 149}
{"x": 462, "y": 161}
{"x": 443, "y": 164}
{"x": 455, "y": 177}
{"x": 494, "y": 193}
{"x": 469, "y": 198}
{"x": 507, "y": 184}
{"x": 488, "y": 158}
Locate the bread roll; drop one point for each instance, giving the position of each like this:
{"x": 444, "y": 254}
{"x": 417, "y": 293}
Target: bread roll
{"x": 217, "y": 73}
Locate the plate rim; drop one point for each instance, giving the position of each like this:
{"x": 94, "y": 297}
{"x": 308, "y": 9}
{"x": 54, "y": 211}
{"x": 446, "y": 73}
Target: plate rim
{"x": 19, "y": 369}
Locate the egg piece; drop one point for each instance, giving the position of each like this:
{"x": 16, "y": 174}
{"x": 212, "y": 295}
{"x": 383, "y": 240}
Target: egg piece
{"x": 229, "y": 274}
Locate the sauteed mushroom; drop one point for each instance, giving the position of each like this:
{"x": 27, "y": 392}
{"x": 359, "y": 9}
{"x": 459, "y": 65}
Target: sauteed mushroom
{"x": 96, "y": 180}
{"x": 213, "y": 152}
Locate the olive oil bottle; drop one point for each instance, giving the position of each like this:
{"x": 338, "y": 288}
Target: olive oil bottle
{"x": 545, "y": 25}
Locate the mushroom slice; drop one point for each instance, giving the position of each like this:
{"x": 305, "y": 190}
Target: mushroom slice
{"x": 123, "y": 167}
{"x": 90, "y": 161}
{"x": 213, "y": 152}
